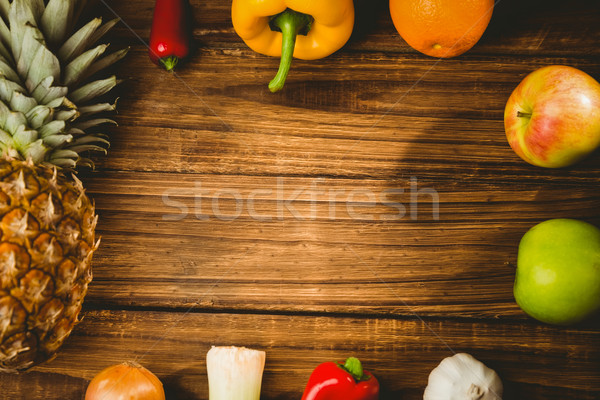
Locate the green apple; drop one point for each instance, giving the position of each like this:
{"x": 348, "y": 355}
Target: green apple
{"x": 558, "y": 271}
{"x": 552, "y": 118}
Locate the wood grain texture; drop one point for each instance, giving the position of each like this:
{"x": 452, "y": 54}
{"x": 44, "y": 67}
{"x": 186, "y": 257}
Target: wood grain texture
{"x": 237, "y": 242}
{"x": 371, "y": 208}
{"x": 401, "y": 353}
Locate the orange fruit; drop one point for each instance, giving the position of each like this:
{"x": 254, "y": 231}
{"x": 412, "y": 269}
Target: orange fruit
{"x": 441, "y": 28}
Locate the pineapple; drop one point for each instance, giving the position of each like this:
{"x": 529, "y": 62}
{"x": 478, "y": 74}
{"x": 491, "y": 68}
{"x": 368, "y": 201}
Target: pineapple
{"x": 49, "y": 115}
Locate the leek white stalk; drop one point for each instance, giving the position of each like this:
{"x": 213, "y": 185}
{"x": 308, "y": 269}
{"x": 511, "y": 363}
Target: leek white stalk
{"x": 234, "y": 373}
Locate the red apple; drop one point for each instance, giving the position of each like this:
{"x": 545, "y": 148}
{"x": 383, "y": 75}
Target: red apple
{"x": 552, "y": 118}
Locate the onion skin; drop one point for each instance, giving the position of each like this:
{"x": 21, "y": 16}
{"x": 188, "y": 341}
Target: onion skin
{"x": 126, "y": 381}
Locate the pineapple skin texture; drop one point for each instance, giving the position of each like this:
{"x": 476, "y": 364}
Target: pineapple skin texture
{"x": 47, "y": 226}
{"x": 53, "y": 82}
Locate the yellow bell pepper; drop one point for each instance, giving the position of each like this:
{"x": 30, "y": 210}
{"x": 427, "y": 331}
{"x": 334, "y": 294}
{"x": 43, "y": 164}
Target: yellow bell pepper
{"x": 305, "y": 29}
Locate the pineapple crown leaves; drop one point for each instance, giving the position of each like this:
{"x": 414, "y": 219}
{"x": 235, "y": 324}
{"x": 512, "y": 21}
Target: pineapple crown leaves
{"x": 48, "y": 94}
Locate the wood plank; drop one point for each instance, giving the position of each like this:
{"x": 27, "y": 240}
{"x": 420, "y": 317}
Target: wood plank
{"x": 363, "y": 117}
{"x": 534, "y": 362}
{"x": 334, "y": 247}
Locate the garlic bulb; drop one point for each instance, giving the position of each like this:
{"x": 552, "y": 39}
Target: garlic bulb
{"x": 462, "y": 377}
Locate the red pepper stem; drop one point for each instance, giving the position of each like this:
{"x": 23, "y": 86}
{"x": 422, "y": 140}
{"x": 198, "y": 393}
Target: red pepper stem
{"x": 169, "y": 62}
{"x": 354, "y": 367}
{"x": 290, "y": 22}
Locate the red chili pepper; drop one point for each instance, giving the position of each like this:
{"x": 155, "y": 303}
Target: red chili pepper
{"x": 170, "y": 38}
{"x": 341, "y": 381}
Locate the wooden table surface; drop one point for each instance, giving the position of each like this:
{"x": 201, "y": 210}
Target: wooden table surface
{"x": 372, "y": 208}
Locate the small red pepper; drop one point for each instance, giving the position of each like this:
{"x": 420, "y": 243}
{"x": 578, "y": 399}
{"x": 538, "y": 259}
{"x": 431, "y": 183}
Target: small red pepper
{"x": 341, "y": 381}
{"x": 170, "y": 38}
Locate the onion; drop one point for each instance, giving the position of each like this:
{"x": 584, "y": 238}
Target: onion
{"x": 126, "y": 381}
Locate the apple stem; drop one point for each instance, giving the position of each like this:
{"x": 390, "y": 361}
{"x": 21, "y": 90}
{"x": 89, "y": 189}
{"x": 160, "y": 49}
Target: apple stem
{"x": 521, "y": 114}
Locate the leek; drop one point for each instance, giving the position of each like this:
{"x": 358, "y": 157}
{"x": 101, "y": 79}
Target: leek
{"x": 234, "y": 373}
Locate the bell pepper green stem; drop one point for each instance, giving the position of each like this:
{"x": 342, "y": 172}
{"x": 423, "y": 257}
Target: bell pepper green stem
{"x": 354, "y": 367}
{"x": 290, "y": 23}
{"x": 169, "y": 62}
